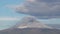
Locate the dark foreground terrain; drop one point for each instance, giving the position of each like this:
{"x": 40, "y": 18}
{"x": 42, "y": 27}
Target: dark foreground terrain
{"x": 30, "y": 31}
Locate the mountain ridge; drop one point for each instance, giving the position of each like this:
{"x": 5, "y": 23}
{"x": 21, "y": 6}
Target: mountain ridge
{"x": 29, "y": 25}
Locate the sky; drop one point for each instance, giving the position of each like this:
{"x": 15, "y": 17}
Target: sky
{"x": 5, "y": 12}
{"x": 8, "y": 16}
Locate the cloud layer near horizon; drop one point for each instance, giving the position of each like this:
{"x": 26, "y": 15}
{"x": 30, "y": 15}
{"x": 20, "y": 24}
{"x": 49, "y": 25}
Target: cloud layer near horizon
{"x": 40, "y": 8}
{"x": 8, "y": 19}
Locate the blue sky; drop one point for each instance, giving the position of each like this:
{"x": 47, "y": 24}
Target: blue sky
{"x": 5, "y": 12}
{"x": 10, "y": 15}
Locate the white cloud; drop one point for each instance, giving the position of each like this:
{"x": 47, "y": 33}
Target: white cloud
{"x": 31, "y": 0}
{"x": 8, "y": 19}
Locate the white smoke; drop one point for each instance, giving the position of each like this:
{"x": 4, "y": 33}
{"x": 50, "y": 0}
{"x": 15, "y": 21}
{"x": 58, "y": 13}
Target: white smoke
{"x": 39, "y": 8}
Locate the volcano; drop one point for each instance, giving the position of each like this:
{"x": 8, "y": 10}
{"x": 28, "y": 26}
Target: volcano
{"x": 30, "y": 25}
{"x": 31, "y": 22}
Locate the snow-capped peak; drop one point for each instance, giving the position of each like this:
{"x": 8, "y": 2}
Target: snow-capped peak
{"x": 31, "y": 22}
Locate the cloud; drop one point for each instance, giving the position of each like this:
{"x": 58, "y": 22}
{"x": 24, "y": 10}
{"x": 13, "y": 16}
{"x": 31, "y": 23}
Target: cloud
{"x": 8, "y": 19}
{"x": 40, "y": 8}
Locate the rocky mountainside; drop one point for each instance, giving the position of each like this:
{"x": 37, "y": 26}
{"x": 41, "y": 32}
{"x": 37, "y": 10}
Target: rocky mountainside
{"x": 30, "y": 31}
{"x": 57, "y": 26}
